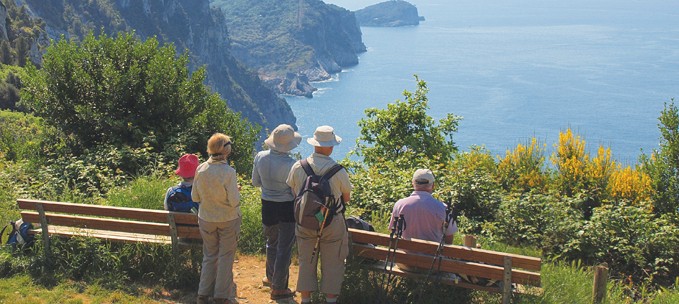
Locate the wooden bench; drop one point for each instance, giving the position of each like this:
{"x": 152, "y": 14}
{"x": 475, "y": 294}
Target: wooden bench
{"x": 519, "y": 271}
{"x": 117, "y": 224}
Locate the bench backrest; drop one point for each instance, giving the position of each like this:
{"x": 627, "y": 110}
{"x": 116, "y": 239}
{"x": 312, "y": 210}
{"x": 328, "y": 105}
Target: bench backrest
{"x": 457, "y": 259}
{"x": 110, "y": 218}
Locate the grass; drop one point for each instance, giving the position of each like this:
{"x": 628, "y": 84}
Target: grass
{"x": 22, "y": 289}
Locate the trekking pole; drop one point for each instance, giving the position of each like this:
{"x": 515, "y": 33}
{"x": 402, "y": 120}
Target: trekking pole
{"x": 396, "y": 234}
{"x": 320, "y": 232}
{"x": 439, "y": 248}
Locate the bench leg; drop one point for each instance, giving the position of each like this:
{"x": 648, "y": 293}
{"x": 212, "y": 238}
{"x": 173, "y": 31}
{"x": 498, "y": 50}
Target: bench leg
{"x": 173, "y": 235}
{"x": 45, "y": 230}
{"x": 507, "y": 282}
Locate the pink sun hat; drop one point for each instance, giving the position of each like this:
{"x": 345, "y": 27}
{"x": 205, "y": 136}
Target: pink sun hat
{"x": 187, "y": 166}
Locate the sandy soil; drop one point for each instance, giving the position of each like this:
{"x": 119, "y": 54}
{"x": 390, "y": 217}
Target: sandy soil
{"x": 248, "y": 274}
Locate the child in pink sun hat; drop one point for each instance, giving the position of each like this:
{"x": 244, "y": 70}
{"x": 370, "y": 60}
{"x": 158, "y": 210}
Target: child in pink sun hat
{"x": 178, "y": 198}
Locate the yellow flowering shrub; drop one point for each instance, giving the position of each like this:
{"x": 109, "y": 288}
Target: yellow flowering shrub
{"x": 571, "y": 161}
{"x": 630, "y": 184}
{"x": 522, "y": 169}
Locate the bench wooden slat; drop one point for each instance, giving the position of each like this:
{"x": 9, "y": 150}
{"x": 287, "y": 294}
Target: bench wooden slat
{"x": 99, "y": 223}
{"x": 458, "y": 252}
{"x": 107, "y": 235}
{"x": 447, "y": 265}
{"x": 157, "y": 216}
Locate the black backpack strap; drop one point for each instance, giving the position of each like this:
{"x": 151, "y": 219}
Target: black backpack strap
{"x": 3, "y": 232}
{"x": 332, "y": 171}
{"x": 307, "y": 168}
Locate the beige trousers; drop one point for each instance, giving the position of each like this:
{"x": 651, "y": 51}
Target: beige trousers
{"x": 334, "y": 248}
{"x": 219, "y": 250}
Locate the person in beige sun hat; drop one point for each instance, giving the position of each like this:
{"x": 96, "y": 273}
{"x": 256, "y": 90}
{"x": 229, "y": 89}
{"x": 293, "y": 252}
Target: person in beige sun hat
{"x": 269, "y": 172}
{"x": 324, "y": 136}
{"x": 334, "y": 243}
{"x": 283, "y": 138}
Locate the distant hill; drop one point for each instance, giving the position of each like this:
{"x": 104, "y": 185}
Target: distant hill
{"x": 190, "y": 24}
{"x": 292, "y": 42}
{"x": 389, "y": 14}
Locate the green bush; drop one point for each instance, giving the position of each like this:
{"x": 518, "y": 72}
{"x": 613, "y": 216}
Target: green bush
{"x": 21, "y": 136}
{"x": 130, "y": 95}
{"x": 634, "y": 243}
{"x": 473, "y": 188}
{"x": 537, "y": 220}
{"x": 378, "y": 187}
{"x": 147, "y": 192}
{"x": 251, "y": 235}
{"x": 114, "y": 265}
{"x": 405, "y": 131}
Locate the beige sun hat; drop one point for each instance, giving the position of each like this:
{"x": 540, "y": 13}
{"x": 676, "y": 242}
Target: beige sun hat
{"x": 324, "y": 136}
{"x": 423, "y": 177}
{"x": 283, "y": 138}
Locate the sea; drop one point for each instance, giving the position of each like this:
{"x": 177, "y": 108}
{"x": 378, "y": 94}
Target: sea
{"x": 515, "y": 69}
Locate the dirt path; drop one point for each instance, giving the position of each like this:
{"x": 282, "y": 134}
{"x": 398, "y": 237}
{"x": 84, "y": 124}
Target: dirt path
{"x": 248, "y": 274}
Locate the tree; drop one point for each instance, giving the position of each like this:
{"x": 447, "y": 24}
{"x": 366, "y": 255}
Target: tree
{"x": 128, "y": 93}
{"x": 404, "y": 130}
{"x": 663, "y": 164}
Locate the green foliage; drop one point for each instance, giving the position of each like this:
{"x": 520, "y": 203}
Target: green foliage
{"x": 147, "y": 192}
{"x": 632, "y": 241}
{"x": 21, "y": 136}
{"x": 537, "y": 220}
{"x": 113, "y": 265}
{"x": 251, "y": 238}
{"x": 378, "y": 187}
{"x": 131, "y": 95}
{"x": 473, "y": 188}
{"x": 404, "y": 130}
{"x": 663, "y": 164}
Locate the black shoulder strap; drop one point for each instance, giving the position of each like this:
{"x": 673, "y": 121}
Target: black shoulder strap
{"x": 2, "y": 233}
{"x": 332, "y": 171}
{"x": 5, "y": 228}
{"x": 307, "y": 168}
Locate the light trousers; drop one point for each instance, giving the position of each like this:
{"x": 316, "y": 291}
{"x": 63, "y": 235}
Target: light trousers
{"x": 334, "y": 248}
{"x": 219, "y": 250}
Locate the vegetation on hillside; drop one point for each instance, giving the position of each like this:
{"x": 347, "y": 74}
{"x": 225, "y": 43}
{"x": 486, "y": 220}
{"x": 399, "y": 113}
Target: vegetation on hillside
{"x": 306, "y": 37}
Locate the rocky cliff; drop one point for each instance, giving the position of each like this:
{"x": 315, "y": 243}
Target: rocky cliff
{"x": 190, "y": 25}
{"x": 389, "y": 14}
{"x": 292, "y": 42}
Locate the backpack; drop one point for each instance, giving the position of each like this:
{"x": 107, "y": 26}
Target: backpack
{"x": 358, "y": 223}
{"x": 314, "y": 196}
{"x": 18, "y": 236}
{"x": 179, "y": 199}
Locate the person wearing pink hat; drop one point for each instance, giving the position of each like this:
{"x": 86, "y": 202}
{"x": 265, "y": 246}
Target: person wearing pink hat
{"x": 178, "y": 198}
{"x": 269, "y": 172}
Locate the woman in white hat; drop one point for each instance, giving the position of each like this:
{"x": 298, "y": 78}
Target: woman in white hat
{"x": 269, "y": 172}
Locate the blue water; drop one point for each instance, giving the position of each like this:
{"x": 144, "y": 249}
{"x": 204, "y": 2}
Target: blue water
{"x": 516, "y": 70}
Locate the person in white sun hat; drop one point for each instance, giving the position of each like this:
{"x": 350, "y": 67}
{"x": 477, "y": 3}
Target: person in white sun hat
{"x": 270, "y": 170}
{"x": 333, "y": 241}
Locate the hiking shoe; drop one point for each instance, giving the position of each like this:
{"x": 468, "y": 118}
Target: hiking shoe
{"x": 282, "y": 294}
{"x": 202, "y": 299}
